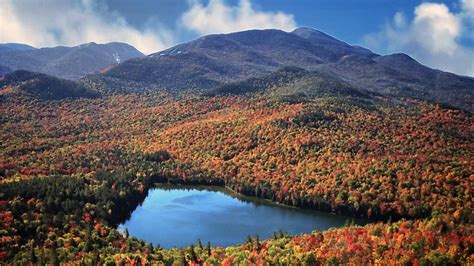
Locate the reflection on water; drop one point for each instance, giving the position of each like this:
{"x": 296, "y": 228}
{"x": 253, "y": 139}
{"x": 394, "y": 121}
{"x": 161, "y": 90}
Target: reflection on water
{"x": 176, "y": 216}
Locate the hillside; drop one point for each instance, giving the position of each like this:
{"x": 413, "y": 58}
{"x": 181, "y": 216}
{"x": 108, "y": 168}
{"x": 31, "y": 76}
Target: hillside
{"x": 334, "y": 149}
{"x": 4, "y": 70}
{"x": 400, "y": 75}
{"x": 44, "y": 87}
{"x": 258, "y": 84}
{"x": 69, "y": 62}
{"x": 291, "y": 84}
{"x": 214, "y": 60}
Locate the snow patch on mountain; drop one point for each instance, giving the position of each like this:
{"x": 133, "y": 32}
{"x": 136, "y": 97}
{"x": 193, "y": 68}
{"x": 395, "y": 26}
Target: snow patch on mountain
{"x": 116, "y": 57}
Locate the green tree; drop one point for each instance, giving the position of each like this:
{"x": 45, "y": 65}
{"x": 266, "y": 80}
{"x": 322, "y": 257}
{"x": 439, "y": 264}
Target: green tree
{"x": 257, "y": 242}
{"x": 183, "y": 258}
{"x": 33, "y": 258}
{"x": 149, "y": 248}
{"x": 54, "y": 258}
{"x": 88, "y": 244}
{"x": 192, "y": 254}
{"x": 96, "y": 259}
{"x": 208, "y": 248}
{"x": 42, "y": 260}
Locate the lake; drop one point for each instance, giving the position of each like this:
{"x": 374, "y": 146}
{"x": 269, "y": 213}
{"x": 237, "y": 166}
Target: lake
{"x": 176, "y": 216}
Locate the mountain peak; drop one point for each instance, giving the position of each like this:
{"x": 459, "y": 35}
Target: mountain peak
{"x": 401, "y": 56}
{"x": 332, "y": 44}
{"x": 316, "y": 35}
{"x": 109, "y": 44}
{"x": 305, "y": 29}
{"x": 84, "y": 45}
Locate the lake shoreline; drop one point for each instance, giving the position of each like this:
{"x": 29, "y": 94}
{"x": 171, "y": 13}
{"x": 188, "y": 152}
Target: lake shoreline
{"x": 238, "y": 195}
{"x": 178, "y": 215}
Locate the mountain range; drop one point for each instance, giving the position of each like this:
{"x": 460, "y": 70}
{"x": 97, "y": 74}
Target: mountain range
{"x": 229, "y": 62}
{"x": 65, "y": 62}
{"x": 214, "y": 60}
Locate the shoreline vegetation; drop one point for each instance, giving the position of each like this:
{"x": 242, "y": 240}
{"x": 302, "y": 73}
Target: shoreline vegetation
{"x": 246, "y": 198}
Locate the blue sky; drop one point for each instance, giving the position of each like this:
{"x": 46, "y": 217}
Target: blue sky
{"x": 348, "y": 20}
{"x": 439, "y": 34}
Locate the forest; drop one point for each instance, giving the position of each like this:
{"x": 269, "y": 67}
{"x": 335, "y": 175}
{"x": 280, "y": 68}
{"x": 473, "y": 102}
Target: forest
{"x": 72, "y": 169}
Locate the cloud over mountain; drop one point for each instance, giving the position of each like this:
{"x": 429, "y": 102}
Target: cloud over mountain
{"x": 432, "y": 37}
{"x": 218, "y": 17}
{"x": 72, "y": 22}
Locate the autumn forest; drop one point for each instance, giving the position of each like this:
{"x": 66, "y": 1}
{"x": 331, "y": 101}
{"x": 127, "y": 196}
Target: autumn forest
{"x": 71, "y": 169}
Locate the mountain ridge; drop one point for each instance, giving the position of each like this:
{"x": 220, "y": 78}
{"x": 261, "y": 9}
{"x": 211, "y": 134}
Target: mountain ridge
{"x": 214, "y": 60}
{"x": 10, "y": 47}
{"x": 69, "y": 62}
{"x": 43, "y": 86}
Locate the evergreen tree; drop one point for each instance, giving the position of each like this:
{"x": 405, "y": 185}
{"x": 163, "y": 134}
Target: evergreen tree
{"x": 309, "y": 259}
{"x": 183, "y": 258}
{"x": 54, "y": 259}
{"x": 257, "y": 242}
{"x": 149, "y": 248}
{"x": 96, "y": 259}
{"x": 138, "y": 260}
{"x": 33, "y": 258}
{"x": 249, "y": 240}
{"x": 192, "y": 254}
{"x": 208, "y": 248}
{"x": 42, "y": 260}
{"x": 88, "y": 244}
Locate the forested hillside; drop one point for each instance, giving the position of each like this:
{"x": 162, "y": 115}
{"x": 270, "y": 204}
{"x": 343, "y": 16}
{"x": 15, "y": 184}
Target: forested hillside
{"x": 42, "y": 86}
{"x": 72, "y": 169}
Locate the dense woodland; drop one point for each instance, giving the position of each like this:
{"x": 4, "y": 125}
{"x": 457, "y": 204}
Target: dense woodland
{"x": 72, "y": 169}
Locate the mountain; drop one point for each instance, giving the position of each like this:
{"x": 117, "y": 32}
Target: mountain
{"x": 293, "y": 84}
{"x": 442, "y": 86}
{"x": 69, "y": 62}
{"x": 4, "y": 70}
{"x": 211, "y": 61}
{"x": 402, "y": 76}
{"x": 11, "y": 47}
{"x": 331, "y": 44}
{"x": 221, "y": 58}
{"x": 43, "y": 86}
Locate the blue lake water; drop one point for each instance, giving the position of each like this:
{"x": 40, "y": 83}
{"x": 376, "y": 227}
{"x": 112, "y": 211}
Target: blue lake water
{"x": 174, "y": 216}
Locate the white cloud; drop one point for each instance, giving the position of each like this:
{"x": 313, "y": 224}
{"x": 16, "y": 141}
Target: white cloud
{"x": 468, "y": 5}
{"x": 218, "y": 17}
{"x": 399, "y": 19}
{"x": 432, "y": 37}
{"x": 72, "y": 22}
